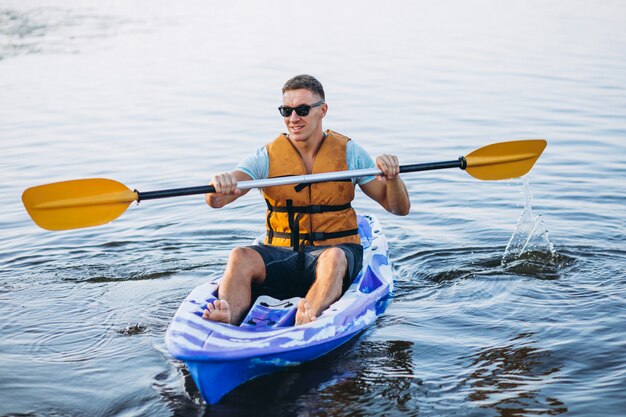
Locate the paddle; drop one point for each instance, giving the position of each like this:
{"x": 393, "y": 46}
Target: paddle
{"x": 95, "y": 201}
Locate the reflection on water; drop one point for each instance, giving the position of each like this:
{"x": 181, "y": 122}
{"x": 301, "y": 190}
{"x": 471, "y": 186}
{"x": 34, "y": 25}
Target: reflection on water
{"x": 334, "y": 385}
{"x": 388, "y": 381}
{"x": 512, "y": 379}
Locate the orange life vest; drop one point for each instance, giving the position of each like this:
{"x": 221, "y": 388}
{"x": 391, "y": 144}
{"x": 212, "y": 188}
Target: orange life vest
{"x": 316, "y": 214}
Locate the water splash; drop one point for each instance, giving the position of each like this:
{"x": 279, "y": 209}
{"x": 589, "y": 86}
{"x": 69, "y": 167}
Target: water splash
{"x": 530, "y": 239}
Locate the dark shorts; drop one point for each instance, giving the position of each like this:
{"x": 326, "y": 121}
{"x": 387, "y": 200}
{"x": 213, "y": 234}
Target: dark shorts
{"x": 285, "y": 279}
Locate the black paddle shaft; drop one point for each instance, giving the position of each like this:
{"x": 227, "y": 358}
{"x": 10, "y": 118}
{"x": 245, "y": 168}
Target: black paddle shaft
{"x": 204, "y": 189}
{"x": 174, "y": 192}
{"x": 457, "y": 163}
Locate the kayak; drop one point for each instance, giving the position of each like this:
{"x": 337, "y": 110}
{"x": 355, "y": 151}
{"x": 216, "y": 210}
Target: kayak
{"x": 221, "y": 356}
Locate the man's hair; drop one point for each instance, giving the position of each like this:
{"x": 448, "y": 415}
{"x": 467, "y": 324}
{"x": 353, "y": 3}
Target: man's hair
{"x": 307, "y": 82}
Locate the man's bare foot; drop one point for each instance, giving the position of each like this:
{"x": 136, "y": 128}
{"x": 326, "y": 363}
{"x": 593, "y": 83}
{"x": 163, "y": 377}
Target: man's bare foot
{"x": 218, "y": 311}
{"x": 304, "y": 314}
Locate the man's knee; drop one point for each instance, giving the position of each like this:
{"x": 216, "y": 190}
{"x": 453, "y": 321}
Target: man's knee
{"x": 242, "y": 253}
{"x": 334, "y": 257}
{"x": 247, "y": 261}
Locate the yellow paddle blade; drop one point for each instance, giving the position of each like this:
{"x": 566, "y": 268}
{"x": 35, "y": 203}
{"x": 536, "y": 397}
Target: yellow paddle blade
{"x": 504, "y": 160}
{"x": 78, "y": 203}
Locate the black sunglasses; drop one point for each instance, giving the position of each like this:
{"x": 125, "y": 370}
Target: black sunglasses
{"x": 301, "y": 110}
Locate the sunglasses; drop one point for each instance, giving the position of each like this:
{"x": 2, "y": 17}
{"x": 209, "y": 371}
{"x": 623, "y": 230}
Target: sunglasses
{"x": 301, "y": 110}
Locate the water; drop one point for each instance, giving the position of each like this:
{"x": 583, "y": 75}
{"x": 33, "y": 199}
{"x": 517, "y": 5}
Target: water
{"x": 505, "y": 305}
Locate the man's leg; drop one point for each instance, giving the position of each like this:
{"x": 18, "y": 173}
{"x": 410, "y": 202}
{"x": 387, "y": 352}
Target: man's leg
{"x": 331, "y": 269}
{"x": 245, "y": 266}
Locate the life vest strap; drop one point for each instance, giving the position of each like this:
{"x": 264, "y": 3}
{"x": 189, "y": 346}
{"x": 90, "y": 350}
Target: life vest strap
{"x": 313, "y": 209}
{"x": 315, "y": 236}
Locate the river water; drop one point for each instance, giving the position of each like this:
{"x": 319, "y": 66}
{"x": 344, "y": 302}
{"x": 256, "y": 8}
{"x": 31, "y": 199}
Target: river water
{"x": 510, "y": 295}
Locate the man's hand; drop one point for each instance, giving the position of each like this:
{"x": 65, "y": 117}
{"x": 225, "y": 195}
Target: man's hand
{"x": 226, "y": 190}
{"x": 389, "y": 165}
{"x": 389, "y": 191}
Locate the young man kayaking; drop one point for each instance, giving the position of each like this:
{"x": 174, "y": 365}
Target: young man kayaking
{"x": 312, "y": 248}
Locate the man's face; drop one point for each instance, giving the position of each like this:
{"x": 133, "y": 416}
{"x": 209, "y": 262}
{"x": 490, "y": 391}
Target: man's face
{"x": 301, "y": 128}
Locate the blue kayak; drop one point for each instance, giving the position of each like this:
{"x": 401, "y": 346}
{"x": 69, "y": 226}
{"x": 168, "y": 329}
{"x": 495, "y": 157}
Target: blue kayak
{"x": 221, "y": 356}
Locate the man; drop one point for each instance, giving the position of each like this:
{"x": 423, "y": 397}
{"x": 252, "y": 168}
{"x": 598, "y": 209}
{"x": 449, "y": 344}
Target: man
{"x": 312, "y": 248}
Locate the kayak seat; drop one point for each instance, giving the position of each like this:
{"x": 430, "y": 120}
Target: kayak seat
{"x": 268, "y": 312}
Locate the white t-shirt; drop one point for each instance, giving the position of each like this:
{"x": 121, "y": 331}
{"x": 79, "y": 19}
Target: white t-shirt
{"x": 257, "y": 165}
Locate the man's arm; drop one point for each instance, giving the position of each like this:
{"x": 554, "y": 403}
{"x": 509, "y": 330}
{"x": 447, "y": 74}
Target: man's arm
{"x": 254, "y": 167}
{"x": 226, "y": 190}
{"x": 389, "y": 190}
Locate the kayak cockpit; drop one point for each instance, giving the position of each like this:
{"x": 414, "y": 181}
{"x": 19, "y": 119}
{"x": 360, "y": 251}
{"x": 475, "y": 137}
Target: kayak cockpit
{"x": 268, "y": 328}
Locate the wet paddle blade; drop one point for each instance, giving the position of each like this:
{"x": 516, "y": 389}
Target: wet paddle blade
{"x": 501, "y": 161}
{"x": 78, "y": 203}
